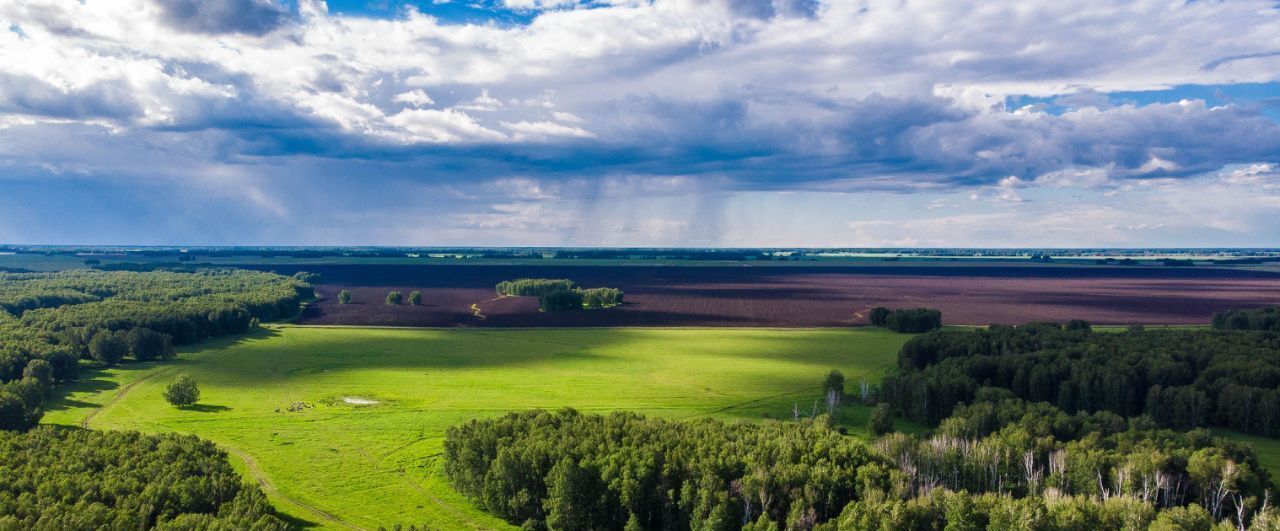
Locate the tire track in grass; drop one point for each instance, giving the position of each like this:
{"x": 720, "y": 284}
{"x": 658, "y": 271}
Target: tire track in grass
{"x": 263, "y": 481}
{"x": 120, "y": 396}
{"x": 377, "y": 465}
{"x": 739, "y": 405}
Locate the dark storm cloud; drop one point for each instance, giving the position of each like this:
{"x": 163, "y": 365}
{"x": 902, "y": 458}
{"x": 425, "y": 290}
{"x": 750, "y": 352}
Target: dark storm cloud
{"x": 112, "y": 99}
{"x": 764, "y": 9}
{"x": 250, "y": 17}
{"x": 875, "y": 143}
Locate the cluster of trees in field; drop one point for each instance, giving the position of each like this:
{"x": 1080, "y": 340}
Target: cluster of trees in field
{"x": 1265, "y": 319}
{"x": 1181, "y": 379}
{"x": 79, "y": 479}
{"x": 909, "y": 321}
{"x": 558, "y": 294}
{"x": 601, "y": 297}
{"x": 53, "y": 320}
{"x": 393, "y": 298}
{"x": 1000, "y": 465}
{"x": 534, "y": 287}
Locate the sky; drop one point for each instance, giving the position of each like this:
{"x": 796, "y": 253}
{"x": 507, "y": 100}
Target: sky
{"x": 771, "y": 123}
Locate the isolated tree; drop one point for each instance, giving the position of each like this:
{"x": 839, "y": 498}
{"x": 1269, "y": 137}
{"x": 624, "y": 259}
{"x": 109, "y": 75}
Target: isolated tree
{"x": 833, "y": 400}
{"x": 183, "y": 391}
{"x": 108, "y": 347}
{"x": 344, "y": 296}
{"x": 415, "y": 298}
{"x": 834, "y": 382}
{"x": 881, "y": 420}
{"x": 394, "y": 297}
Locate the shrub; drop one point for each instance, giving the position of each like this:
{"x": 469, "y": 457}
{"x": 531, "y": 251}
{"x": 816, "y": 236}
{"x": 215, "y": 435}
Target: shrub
{"x": 834, "y": 381}
{"x": 183, "y": 391}
{"x": 881, "y": 420}
{"x": 415, "y": 298}
{"x": 344, "y": 296}
{"x": 394, "y": 298}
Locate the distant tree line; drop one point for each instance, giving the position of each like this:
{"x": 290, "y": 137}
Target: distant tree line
{"x": 80, "y": 479}
{"x": 910, "y": 321}
{"x": 1264, "y": 319}
{"x": 1179, "y": 379}
{"x": 555, "y": 295}
{"x": 53, "y": 320}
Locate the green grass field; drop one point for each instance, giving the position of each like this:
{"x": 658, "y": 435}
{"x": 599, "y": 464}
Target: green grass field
{"x": 341, "y": 465}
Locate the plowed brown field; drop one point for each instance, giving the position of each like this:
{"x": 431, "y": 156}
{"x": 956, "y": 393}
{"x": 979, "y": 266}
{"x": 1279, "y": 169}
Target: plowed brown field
{"x": 794, "y": 296}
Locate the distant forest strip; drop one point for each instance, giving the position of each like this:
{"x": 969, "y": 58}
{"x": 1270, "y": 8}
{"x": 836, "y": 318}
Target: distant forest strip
{"x": 51, "y": 321}
{"x": 57, "y": 478}
{"x": 1265, "y": 319}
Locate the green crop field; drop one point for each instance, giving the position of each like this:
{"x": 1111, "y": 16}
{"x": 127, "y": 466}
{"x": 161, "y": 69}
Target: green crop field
{"x": 338, "y": 463}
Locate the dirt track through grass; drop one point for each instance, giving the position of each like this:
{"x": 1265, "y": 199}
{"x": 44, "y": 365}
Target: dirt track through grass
{"x": 121, "y": 394}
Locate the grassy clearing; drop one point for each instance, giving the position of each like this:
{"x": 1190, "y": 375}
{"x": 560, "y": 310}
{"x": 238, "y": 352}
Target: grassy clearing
{"x": 377, "y": 465}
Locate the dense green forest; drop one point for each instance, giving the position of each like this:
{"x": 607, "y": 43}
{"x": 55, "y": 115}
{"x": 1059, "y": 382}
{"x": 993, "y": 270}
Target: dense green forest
{"x": 1180, "y": 379}
{"x": 79, "y": 479}
{"x": 51, "y": 321}
{"x": 1007, "y": 465}
{"x": 1042, "y": 426}
{"x": 566, "y": 470}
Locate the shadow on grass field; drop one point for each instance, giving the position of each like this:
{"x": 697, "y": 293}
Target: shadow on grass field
{"x": 379, "y": 465}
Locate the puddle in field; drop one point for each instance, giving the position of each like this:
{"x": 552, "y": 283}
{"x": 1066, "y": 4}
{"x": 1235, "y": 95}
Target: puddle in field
{"x": 358, "y": 401}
